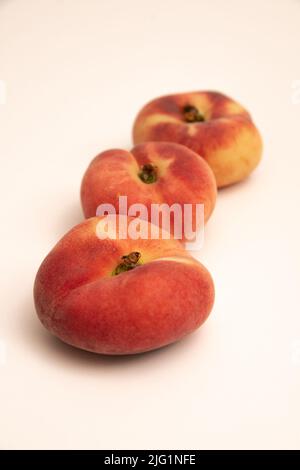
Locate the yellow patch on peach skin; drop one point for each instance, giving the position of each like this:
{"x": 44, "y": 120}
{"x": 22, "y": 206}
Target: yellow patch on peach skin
{"x": 157, "y": 118}
{"x": 237, "y": 161}
{"x": 162, "y": 164}
{"x": 177, "y": 259}
{"x": 134, "y": 169}
{"x": 202, "y": 102}
{"x": 192, "y": 130}
{"x": 232, "y": 108}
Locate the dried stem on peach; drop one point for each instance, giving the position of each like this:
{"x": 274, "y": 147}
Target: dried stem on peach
{"x": 148, "y": 173}
{"x": 192, "y": 114}
{"x": 128, "y": 262}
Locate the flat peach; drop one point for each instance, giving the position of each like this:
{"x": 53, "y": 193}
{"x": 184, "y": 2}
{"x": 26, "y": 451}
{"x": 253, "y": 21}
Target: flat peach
{"x": 213, "y": 125}
{"x": 151, "y": 173}
{"x": 120, "y": 296}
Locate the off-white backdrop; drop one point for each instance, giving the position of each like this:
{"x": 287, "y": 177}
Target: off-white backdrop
{"x": 73, "y": 75}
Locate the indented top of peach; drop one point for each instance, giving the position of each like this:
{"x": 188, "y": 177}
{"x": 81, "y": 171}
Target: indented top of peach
{"x": 127, "y": 263}
{"x": 213, "y": 125}
{"x": 192, "y": 107}
{"x": 192, "y": 114}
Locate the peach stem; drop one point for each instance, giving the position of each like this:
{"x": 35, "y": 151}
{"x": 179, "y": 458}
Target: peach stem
{"x": 192, "y": 114}
{"x": 128, "y": 262}
{"x": 148, "y": 174}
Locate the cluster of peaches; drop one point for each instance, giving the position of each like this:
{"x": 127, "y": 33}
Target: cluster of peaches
{"x": 126, "y": 296}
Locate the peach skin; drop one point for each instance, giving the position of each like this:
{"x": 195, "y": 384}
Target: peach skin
{"x": 120, "y": 296}
{"x": 211, "y": 124}
{"x": 152, "y": 173}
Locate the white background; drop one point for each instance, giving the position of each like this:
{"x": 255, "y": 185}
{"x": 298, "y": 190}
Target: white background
{"x": 76, "y": 73}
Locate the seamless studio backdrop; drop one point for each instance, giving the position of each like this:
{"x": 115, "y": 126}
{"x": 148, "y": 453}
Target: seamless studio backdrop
{"x": 73, "y": 75}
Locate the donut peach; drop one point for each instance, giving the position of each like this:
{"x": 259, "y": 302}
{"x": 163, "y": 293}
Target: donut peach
{"x": 211, "y": 124}
{"x": 151, "y": 173}
{"x": 120, "y": 296}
